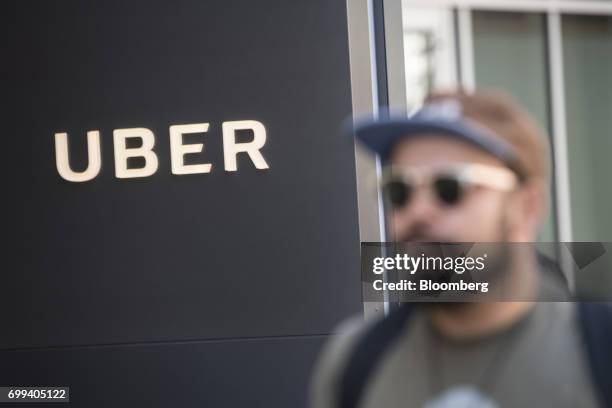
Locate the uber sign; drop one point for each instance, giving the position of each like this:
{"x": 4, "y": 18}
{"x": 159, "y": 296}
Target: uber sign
{"x": 145, "y": 151}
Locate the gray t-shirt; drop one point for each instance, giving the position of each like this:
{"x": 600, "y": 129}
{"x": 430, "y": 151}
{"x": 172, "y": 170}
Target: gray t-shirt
{"x": 538, "y": 362}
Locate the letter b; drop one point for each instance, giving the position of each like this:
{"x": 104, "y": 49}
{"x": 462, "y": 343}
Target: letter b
{"x": 122, "y": 153}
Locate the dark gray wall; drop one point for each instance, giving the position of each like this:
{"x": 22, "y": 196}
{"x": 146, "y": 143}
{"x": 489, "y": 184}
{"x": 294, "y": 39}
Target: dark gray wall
{"x": 215, "y": 289}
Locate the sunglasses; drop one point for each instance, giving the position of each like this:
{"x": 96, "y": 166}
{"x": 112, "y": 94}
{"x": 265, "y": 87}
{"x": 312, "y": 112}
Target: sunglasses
{"x": 449, "y": 185}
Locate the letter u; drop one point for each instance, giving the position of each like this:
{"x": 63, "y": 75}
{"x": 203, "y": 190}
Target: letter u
{"x": 94, "y": 157}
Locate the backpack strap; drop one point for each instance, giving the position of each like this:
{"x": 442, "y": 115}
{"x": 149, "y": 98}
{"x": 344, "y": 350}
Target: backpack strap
{"x": 596, "y": 324}
{"x": 367, "y": 354}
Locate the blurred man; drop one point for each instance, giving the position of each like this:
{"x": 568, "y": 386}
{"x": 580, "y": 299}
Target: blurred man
{"x": 465, "y": 168}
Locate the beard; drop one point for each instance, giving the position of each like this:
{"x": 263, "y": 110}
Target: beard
{"x": 497, "y": 270}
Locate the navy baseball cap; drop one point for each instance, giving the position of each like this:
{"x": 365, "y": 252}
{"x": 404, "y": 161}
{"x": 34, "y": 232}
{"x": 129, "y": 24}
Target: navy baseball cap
{"x": 439, "y": 118}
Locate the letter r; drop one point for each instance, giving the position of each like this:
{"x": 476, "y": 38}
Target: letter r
{"x": 231, "y": 148}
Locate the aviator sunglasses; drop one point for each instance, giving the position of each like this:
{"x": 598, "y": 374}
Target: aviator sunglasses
{"x": 449, "y": 185}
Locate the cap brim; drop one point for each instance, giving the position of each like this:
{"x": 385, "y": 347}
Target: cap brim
{"x": 381, "y": 135}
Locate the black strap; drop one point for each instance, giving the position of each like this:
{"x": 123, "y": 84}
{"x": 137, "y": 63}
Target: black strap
{"x": 368, "y": 352}
{"x": 596, "y": 323}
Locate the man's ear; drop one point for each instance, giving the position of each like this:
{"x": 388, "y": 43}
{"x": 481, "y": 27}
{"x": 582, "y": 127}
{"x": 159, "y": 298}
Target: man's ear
{"x": 533, "y": 204}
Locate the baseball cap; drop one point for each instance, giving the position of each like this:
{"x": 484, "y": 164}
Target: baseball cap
{"x": 489, "y": 121}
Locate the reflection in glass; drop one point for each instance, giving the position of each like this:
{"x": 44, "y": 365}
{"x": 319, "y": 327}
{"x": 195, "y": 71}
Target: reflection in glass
{"x": 511, "y": 55}
{"x": 587, "y": 59}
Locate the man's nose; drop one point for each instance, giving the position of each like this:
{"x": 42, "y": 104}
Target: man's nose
{"x": 423, "y": 206}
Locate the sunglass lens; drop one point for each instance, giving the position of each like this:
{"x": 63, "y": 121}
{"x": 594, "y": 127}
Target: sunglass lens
{"x": 398, "y": 193}
{"x": 448, "y": 190}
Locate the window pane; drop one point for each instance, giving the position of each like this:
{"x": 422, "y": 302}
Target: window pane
{"x": 587, "y": 55}
{"x": 510, "y": 54}
{"x": 429, "y": 52}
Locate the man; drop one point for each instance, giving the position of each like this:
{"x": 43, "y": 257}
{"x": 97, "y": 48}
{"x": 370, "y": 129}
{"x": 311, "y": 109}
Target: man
{"x": 470, "y": 354}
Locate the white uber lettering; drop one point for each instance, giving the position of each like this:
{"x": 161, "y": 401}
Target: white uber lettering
{"x": 178, "y": 150}
{"x": 94, "y": 157}
{"x": 123, "y": 153}
{"x": 146, "y": 145}
{"x": 231, "y": 148}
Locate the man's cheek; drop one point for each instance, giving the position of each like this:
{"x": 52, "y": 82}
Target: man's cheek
{"x": 399, "y": 223}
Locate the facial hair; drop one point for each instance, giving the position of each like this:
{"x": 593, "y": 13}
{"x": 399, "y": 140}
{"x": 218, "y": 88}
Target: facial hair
{"x": 498, "y": 265}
